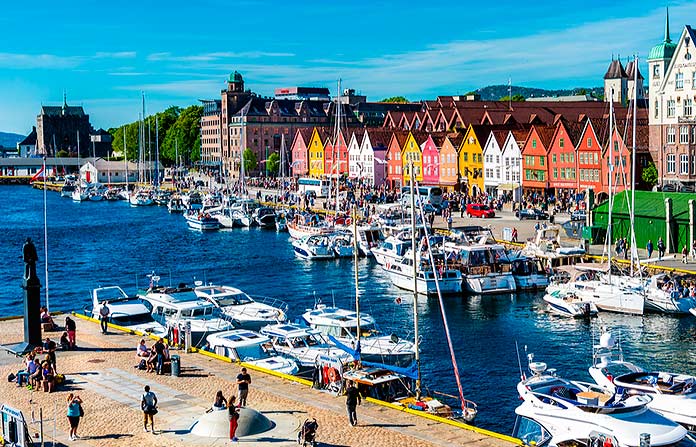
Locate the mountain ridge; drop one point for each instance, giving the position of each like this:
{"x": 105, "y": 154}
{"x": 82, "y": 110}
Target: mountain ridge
{"x": 9, "y": 139}
{"x": 495, "y": 92}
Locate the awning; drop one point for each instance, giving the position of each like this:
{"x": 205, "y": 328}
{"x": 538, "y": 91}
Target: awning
{"x": 508, "y": 186}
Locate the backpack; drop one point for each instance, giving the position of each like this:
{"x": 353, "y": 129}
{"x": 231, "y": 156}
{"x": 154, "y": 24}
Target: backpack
{"x": 142, "y": 365}
{"x": 11, "y": 377}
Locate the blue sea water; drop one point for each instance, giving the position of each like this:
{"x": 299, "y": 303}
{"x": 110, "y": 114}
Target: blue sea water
{"x": 105, "y": 243}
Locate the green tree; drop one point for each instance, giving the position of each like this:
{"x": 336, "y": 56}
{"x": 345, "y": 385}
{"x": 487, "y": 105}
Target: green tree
{"x": 649, "y": 175}
{"x": 62, "y": 153}
{"x": 250, "y": 161}
{"x": 396, "y": 99}
{"x": 273, "y": 163}
{"x": 581, "y": 91}
{"x": 515, "y": 98}
{"x": 183, "y": 138}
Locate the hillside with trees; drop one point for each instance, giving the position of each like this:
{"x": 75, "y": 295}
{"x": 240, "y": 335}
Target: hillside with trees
{"x": 498, "y": 92}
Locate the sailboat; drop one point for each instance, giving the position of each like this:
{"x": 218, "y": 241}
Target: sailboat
{"x": 141, "y": 197}
{"x": 80, "y": 193}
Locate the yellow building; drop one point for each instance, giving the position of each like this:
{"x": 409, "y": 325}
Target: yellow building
{"x": 411, "y": 153}
{"x": 471, "y": 158}
{"x": 315, "y": 153}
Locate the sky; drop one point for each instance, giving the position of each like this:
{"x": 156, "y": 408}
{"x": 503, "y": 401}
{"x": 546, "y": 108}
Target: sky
{"x": 104, "y": 54}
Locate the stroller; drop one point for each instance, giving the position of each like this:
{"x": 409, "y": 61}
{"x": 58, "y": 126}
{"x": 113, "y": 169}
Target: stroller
{"x": 308, "y": 432}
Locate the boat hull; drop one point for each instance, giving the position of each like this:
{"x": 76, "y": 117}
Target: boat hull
{"x": 447, "y": 285}
{"x": 484, "y": 284}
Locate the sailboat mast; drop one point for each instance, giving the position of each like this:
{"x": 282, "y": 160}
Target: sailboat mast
{"x": 156, "y": 151}
{"x": 634, "y": 249}
{"x": 79, "y": 171}
{"x": 45, "y": 178}
{"x": 148, "y": 175}
{"x": 610, "y": 154}
{"x": 125, "y": 156}
{"x": 337, "y": 153}
{"x": 241, "y": 164}
{"x": 355, "y": 271}
{"x": 414, "y": 250}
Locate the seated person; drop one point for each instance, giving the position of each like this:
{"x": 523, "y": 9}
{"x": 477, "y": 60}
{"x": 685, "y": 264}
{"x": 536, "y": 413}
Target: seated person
{"x": 36, "y": 378}
{"x": 151, "y": 362}
{"x": 30, "y": 368}
{"x": 64, "y": 342}
{"x": 142, "y": 350}
{"x": 220, "y": 402}
{"x": 49, "y": 377}
{"x": 46, "y": 318}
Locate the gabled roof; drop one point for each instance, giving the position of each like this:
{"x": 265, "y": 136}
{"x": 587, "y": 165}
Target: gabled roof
{"x": 378, "y": 137}
{"x": 500, "y": 136}
{"x": 400, "y": 136}
{"x": 615, "y": 70}
{"x": 456, "y": 139}
{"x": 29, "y": 140}
{"x": 629, "y": 71}
{"x": 58, "y": 110}
{"x": 303, "y": 133}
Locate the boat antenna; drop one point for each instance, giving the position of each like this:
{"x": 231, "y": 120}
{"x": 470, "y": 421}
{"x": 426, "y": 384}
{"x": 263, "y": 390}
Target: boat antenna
{"x": 519, "y": 361}
{"x": 45, "y": 179}
{"x": 441, "y": 302}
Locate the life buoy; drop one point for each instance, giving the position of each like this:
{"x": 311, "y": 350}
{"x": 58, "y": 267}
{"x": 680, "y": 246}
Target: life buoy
{"x": 387, "y": 265}
{"x": 334, "y": 376}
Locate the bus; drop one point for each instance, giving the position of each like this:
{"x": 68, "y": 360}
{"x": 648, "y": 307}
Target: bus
{"x": 320, "y": 187}
{"x": 428, "y": 194}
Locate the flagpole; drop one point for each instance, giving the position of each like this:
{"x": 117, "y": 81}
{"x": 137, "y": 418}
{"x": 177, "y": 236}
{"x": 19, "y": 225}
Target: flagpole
{"x": 45, "y": 232}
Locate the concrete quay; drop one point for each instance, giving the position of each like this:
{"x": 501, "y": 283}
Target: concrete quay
{"x": 102, "y": 372}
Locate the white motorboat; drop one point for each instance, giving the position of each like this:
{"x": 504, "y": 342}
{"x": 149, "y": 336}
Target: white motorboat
{"x": 265, "y": 217}
{"x": 302, "y": 226}
{"x": 67, "y": 189}
{"x": 141, "y": 198}
{"x": 95, "y": 195}
{"x": 198, "y": 220}
{"x": 175, "y": 204}
{"x": 342, "y": 324}
{"x": 193, "y": 200}
{"x": 568, "y": 304}
{"x": 242, "y": 212}
{"x": 529, "y": 274}
{"x": 244, "y": 311}
{"x": 369, "y": 236}
{"x": 673, "y": 394}
{"x": 663, "y": 295}
{"x": 589, "y": 283}
{"x": 130, "y": 312}
{"x": 314, "y": 247}
{"x": 559, "y": 412}
{"x": 391, "y": 250}
{"x": 303, "y": 344}
{"x": 112, "y": 194}
{"x": 343, "y": 244}
{"x": 401, "y": 275}
{"x": 242, "y": 345}
{"x": 80, "y": 194}
{"x": 180, "y": 306}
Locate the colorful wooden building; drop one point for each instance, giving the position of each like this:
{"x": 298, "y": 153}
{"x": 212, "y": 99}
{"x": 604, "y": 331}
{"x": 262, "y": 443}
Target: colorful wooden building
{"x": 535, "y": 159}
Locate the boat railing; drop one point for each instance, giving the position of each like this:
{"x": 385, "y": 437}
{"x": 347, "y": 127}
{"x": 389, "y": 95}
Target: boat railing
{"x": 273, "y": 302}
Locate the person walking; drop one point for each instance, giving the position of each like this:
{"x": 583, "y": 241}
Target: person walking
{"x": 353, "y": 399}
{"x": 148, "y": 403}
{"x": 514, "y": 235}
{"x": 243, "y": 382}
{"x": 104, "y": 313}
{"x": 70, "y": 328}
{"x": 233, "y": 415}
{"x": 650, "y": 248}
{"x": 660, "y": 248}
{"x": 685, "y": 254}
{"x": 75, "y": 412}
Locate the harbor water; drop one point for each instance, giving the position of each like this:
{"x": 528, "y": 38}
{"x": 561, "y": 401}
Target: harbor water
{"x": 110, "y": 243}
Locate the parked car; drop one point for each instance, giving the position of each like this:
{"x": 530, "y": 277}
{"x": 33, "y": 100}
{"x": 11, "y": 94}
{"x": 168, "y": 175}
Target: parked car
{"x": 531, "y": 213}
{"x": 479, "y": 210}
{"x": 579, "y": 215}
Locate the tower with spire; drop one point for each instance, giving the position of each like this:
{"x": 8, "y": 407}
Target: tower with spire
{"x": 616, "y": 78}
{"x": 658, "y": 60}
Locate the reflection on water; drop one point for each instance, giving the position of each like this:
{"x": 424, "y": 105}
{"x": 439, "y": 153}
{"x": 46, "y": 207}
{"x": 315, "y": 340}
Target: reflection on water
{"x": 92, "y": 244}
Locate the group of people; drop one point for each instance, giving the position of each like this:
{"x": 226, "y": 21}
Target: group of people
{"x": 39, "y": 374}
{"x": 152, "y": 359}
{"x": 234, "y": 403}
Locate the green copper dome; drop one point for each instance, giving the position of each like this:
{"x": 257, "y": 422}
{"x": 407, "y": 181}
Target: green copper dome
{"x": 665, "y": 50}
{"x": 236, "y": 77}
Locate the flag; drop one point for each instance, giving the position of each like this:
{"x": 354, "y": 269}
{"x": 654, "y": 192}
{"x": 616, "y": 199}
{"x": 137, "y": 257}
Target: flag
{"x": 398, "y": 300}
{"x": 38, "y": 174}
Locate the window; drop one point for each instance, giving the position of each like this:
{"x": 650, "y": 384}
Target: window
{"x": 555, "y": 172}
{"x": 571, "y": 157}
{"x": 541, "y": 160}
{"x": 679, "y": 81}
{"x": 671, "y": 163}
{"x": 684, "y": 164}
{"x": 553, "y": 158}
{"x": 563, "y": 158}
{"x": 688, "y": 106}
{"x": 563, "y": 173}
{"x": 683, "y": 134}
{"x": 534, "y": 143}
{"x": 589, "y": 142}
{"x": 671, "y": 135}
{"x": 616, "y": 146}
{"x": 656, "y": 71}
{"x": 671, "y": 107}
{"x": 561, "y": 142}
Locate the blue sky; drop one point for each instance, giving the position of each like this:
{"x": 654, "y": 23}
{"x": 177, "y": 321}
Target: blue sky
{"x": 104, "y": 53}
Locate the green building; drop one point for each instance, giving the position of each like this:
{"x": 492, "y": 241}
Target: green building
{"x": 669, "y": 215}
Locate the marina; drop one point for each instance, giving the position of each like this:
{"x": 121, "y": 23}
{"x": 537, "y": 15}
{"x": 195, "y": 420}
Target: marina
{"x": 261, "y": 262}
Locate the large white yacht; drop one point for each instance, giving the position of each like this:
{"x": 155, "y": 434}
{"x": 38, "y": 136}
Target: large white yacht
{"x": 126, "y": 311}
{"x": 180, "y": 306}
{"x": 242, "y": 345}
{"x": 244, "y": 311}
{"x": 391, "y": 250}
{"x": 401, "y": 275}
{"x": 673, "y": 394}
{"x": 529, "y": 274}
{"x": 560, "y": 412}
{"x": 303, "y": 344}
{"x": 342, "y": 325}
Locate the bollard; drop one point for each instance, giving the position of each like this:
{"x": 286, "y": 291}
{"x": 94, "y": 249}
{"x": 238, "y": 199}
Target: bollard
{"x": 176, "y": 365}
{"x": 645, "y": 440}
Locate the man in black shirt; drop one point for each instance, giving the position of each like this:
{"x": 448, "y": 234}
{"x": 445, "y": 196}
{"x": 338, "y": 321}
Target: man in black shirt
{"x": 159, "y": 350}
{"x": 243, "y": 381}
{"x": 352, "y": 401}
{"x": 49, "y": 348}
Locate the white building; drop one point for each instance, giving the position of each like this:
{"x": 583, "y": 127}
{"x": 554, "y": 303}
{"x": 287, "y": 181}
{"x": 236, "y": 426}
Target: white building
{"x": 492, "y": 161}
{"x": 373, "y": 152}
{"x": 102, "y": 171}
{"x": 512, "y": 163}
{"x": 27, "y": 147}
{"x": 354, "y": 149}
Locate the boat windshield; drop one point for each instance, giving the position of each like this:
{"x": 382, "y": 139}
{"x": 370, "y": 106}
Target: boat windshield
{"x": 198, "y": 312}
{"x": 234, "y": 300}
{"x": 255, "y": 352}
{"x": 130, "y": 320}
{"x": 303, "y": 342}
{"x": 531, "y": 431}
{"x": 110, "y": 294}
{"x": 485, "y": 256}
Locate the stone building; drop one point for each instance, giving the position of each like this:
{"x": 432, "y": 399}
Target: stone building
{"x": 211, "y": 132}
{"x": 66, "y": 128}
{"x": 672, "y": 117}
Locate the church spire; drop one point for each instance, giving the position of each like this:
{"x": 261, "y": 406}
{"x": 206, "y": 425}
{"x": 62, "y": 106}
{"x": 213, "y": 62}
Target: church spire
{"x": 667, "y": 39}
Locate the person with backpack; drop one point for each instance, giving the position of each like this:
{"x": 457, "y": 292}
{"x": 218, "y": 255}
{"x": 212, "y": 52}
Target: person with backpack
{"x": 148, "y": 403}
{"x": 660, "y": 249}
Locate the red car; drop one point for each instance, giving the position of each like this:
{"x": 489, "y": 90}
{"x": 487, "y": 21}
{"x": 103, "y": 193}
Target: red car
{"x": 479, "y": 210}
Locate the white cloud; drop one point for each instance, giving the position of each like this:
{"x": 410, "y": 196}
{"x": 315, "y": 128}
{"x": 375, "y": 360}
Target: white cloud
{"x": 115, "y": 55}
{"x": 214, "y": 56}
{"x": 32, "y": 61}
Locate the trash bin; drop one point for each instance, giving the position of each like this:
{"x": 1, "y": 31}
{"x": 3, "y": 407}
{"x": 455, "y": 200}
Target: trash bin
{"x": 176, "y": 365}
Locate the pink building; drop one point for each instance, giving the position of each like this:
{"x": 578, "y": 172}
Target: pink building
{"x": 431, "y": 160}
{"x": 300, "y": 158}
